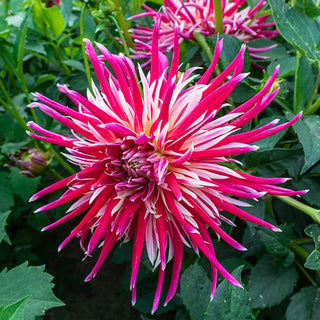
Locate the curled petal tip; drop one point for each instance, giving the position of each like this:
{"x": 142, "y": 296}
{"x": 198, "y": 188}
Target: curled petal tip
{"x": 87, "y": 279}
{"x": 43, "y": 229}
{"x": 38, "y": 210}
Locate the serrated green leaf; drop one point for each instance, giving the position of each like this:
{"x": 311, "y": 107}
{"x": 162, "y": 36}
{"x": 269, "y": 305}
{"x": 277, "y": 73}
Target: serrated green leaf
{"x": 195, "y": 291}
{"x": 269, "y": 284}
{"x": 313, "y": 185}
{"x": 272, "y": 162}
{"x": 3, "y": 233}
{"x": 297, "y": 28}
{"x": 23, "y": 281}
{"x": 278, "y": 244}
{"x": 55, "y": 20}
{"x": 304, "y": 83}
{"x": 307, "y": 7}
{"x": 314, "y": 232}
{"x": 230, "y": 302}
{"x": 14, "y": 311}
{"x": 313, "y": 261}
{"x": 308, "y": 132}
{"x": 22, "y": 185}
{"x": 304, "y": 305}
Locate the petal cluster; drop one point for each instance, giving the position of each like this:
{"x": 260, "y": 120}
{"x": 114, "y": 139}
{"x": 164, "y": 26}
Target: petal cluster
{"x": 153, "y": 159}
{"x": 198, "y": 16}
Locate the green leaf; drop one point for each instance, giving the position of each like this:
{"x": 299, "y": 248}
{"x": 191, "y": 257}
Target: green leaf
{"x": 304, "y": 83}
{"x": 6, "y": 194}
{"x": 308, "y": 132}
{"x": 75, "y": 64}
{"x": 3, "y": 233}
{"x": 230, "y": 302}
{"x": 269, "y": 284}
{"x": 195, "y": 291}
{"x": 16, "y": 20}
{"x": 135, "y": 5}
{"x": 270, "y": 142}
{"x": 23, "y": 281}
{"x": 278, "y": 244}
{"x": 17, "y": 5}
{"x": 304, "y": 305}
{"x": 90, "y": 27}
{"x": 66, "y": 9}
{"x": 231, "y": 47}
{"x": 308, "y": 7}
{"x": 313, "y": 185}
{"x": 297, "y": 28}
{"x": 22, "y": 185}
{"x": 14, "y": 311}
{"x": 55, "y": 20}
{"x": 274, "y": 162}
{"x": 287, "y": 66}
{"x": 313, "y": 261}
{"x": 18, "y": 49}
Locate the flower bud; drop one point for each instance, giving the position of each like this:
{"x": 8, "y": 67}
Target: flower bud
{"x": 32, "y": 161}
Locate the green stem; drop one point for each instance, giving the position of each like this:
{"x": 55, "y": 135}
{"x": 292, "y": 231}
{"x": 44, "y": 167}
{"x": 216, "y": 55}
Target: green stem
{"x": 268, "y": 203}
{"x": 26, "y": 92}
{"x": 307, "y": 275}
{"x": 218, "y": 16}
{"x": 123, "y": 25}
{"x": 309, "y": 107}
{"x": 13, "y": 110}
{"x": 201, "y": 39}
{"x": 62, "y": 162}
{"x": 313, "y": 213}
{"x": 313, "y": 108}
{"x": 17, "y": 116}
{"x": 55, "y": 173}
{"x": 295, "y": 109}
{"x": 85, "y": 58}
{"x": 302, "y": 253}
{"x": 126, "y": 49}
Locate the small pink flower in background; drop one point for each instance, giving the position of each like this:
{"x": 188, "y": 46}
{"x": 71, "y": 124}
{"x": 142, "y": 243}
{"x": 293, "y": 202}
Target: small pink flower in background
{"x": 198, "y": 16}
{"x": 153, "y": 160}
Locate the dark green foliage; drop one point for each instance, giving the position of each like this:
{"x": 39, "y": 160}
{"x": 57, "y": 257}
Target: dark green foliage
{"x": 41, "y": 47}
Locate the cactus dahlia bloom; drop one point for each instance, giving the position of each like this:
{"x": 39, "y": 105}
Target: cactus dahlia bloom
{"x": 153, "y": 159}
{"x": 198, "y": 16}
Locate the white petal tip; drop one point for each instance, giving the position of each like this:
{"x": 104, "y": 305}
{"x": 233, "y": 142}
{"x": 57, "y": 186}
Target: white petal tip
{"x": 276, "y": 229}
{"x": 33, "y": 198}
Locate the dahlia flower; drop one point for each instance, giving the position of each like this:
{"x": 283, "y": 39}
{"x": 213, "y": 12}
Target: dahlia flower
{"x": 153, "y": 159}
{"x": 198, "y": 16}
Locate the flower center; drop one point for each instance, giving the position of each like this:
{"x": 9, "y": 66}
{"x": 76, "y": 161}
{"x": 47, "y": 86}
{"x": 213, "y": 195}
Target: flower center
{"x": 136, "y": 166}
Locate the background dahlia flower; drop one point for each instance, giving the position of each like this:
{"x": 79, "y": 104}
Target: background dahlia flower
{"x": 153, "y": 159}
{"x": 198, "y": 16}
